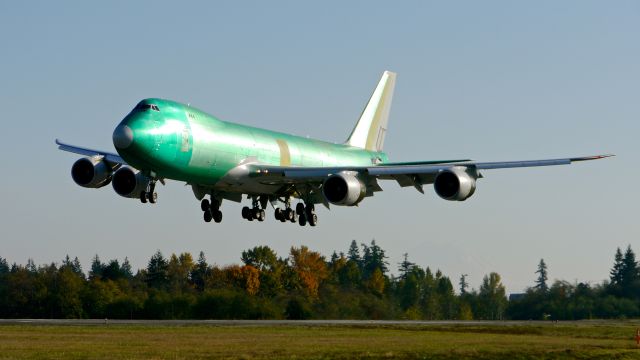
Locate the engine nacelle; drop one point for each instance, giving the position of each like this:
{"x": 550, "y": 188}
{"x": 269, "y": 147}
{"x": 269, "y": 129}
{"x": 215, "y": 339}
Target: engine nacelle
{"x": 91, "y": 173}
{"x": 454, "y": 185}
{"x": 344, "y": 189}
{"x": 129, "y": 183}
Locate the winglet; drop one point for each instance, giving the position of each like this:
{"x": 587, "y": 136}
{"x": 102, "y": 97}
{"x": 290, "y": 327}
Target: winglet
{"x": 371, "y": 128}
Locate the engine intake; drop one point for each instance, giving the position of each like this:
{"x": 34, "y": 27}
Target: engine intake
{"x": 344, "y": 189}
{"x": 129, "y": 183}
{"x": 91, "y": 173}
{"x": 454, "y": 185}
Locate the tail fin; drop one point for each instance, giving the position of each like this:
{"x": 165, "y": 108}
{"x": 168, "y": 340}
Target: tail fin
{"x": 372, "y": 126}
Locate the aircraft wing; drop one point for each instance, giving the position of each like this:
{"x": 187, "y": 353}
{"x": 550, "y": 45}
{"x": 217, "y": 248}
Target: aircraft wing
{"x": 107, "y": 156}
{"x": 406, "y": 174}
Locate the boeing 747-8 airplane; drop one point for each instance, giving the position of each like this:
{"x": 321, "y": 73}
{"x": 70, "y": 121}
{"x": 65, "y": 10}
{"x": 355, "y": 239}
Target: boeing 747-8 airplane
{"x": 162, "y": 139}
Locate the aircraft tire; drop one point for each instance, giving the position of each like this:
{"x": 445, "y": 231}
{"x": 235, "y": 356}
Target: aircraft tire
{"x": 246, "y": 213}
{"x": 217, "y": 216}
{"x": 302, "y": 220}
{"x": 204, "y": 205}
{"x": 143, "y": 197}
{"x": 153, "y": 197}
{"x": 313, "y": 220}
{"x": 207, "y": 216}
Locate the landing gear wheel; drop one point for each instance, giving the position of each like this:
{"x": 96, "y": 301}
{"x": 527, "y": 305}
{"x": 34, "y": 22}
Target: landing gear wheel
{"x": 300, "y": 208}
{"x": 278, "y": 214}
{"x": 261, "y": 215}
{"x": 143, "y": 197}
{"x": 207, "y": 216}
{"x": 313, "y": 220}
{"x": 204, "y": 205}
{"x": 288, "y": 214}
{"x": 217, "y": 216}
{"x": 309, "y": 210}
{"x": 153, "y": 197}
{"x": 302, "y": 220}
{"x": 294, "y": 219}
{"x": 246, "y": 213}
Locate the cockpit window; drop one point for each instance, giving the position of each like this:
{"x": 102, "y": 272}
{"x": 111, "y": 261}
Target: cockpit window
{"x": 144, "y": 107}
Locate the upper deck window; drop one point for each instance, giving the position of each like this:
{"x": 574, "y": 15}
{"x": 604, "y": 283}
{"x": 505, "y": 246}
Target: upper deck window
{"x": 144, "y": 107}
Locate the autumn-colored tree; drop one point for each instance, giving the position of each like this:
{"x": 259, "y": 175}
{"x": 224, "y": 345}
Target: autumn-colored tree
{"x": 310, "y": 268}
{"x": 244, "y": 277}
{"x": 251, "y": 277}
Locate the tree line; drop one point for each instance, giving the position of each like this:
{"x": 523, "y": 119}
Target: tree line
{"x": 303, "y": 285}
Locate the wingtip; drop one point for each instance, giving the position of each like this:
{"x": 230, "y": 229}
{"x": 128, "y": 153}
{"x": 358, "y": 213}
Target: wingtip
{"x": 595, "y": 157}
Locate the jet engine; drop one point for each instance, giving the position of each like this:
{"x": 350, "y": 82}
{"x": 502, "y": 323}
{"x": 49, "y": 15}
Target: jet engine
{"x": 91, "y": 173}
{"x": 344, "y": 189}
{"x": 454, "y": 185}
{"x": 129, "y": 183}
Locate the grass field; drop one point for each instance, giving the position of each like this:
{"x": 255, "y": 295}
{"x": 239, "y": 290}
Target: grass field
{"x": 582, "y": 340}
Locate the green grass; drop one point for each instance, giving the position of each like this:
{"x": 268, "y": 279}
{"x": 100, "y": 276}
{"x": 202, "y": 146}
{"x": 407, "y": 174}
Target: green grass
{"x": 537, "y": 341}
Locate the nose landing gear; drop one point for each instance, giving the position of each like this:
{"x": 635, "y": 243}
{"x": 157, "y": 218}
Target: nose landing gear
{"x": 149, "y": 194}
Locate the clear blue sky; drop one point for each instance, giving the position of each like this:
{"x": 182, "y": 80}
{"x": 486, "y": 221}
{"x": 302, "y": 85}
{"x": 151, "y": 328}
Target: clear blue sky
{"x": 487, "y": 80}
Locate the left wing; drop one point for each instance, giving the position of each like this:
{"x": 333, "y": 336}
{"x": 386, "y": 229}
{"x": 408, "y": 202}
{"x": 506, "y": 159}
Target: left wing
{"x": 111, "y": 158}
{"x": 407, "y": 174}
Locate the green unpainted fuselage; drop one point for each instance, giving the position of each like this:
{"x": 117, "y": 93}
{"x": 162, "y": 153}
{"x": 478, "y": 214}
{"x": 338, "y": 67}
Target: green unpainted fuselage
{"x": 177, "y": 141}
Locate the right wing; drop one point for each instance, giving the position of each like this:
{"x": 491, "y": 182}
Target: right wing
{"x": 406, "y": 174}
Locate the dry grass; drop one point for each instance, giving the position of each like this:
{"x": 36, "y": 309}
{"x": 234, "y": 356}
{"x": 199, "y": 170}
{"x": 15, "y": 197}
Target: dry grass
{"x": 582, "y": 341}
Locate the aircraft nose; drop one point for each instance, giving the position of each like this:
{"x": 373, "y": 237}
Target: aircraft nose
{"x": 122, "y": 136}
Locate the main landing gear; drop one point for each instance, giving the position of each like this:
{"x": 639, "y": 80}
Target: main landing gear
{"x": 149, "y": 194}
{"x": 211, "y": 210}
{"x": 307, "y": 214}
{"x": 255, "y": 212}
{"x": 302, "y": 214}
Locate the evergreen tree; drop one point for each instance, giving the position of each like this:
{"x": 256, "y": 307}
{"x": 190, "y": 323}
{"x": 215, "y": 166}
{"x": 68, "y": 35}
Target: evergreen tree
{"x": 76, "y": 267}
{"x": 373, "y": 258}
{"x": 354, "y": 253}
{"x": 334, "y": 258}
{"x": 31, "y": 266}
{"x": 200, "y": 272}
{"x": 126, "y": 269}
{"x": 405, "y": 266}
{"x": 96, "y": 268}
{"x": 4, "y": 266}
{"x": 157, "y": 271}
{"x": 616, "y": 272}
{"x": 629, "y": 274}
{"x": 463, "y": 284}
{"x": 541, "y": 282}
{"x": 111, "y": 271}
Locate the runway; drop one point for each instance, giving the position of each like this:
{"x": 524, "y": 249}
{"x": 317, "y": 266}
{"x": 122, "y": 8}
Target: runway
{"x": 275, "y": 323}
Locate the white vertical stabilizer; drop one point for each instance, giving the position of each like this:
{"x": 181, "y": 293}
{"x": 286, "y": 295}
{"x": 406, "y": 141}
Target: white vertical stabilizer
{"x": 371, "y": 128}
